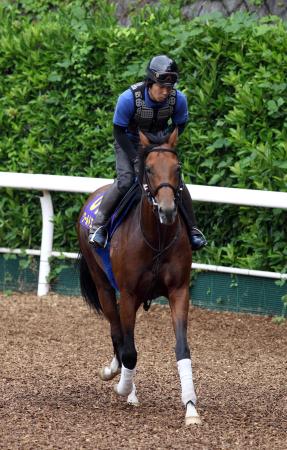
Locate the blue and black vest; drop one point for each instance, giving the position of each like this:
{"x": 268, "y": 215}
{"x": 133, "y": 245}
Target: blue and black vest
{"x": 149, "y": 119}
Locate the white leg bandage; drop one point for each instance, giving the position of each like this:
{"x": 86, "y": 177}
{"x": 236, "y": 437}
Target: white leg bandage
{"x": 114, "y": 365}
{"x": 185, "y": 374}
{"x": 125, "y": 385}
{"x": 107, "y": 373}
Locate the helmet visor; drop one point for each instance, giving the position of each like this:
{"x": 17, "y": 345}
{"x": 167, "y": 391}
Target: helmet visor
{"x": 166, "y": 78}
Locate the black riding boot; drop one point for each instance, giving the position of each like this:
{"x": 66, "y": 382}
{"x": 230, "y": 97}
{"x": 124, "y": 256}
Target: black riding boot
{"x": 196, "y": 237}
{"x": 98, "y": 234}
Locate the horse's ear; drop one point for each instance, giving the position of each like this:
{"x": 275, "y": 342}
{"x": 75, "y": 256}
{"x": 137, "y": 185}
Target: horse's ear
{"x": 173, "y": 138}
{"x": 144, "y": 140}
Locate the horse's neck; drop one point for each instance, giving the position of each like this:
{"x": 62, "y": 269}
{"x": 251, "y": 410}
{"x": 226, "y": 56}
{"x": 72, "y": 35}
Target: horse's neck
{"x": 158, "y": 235}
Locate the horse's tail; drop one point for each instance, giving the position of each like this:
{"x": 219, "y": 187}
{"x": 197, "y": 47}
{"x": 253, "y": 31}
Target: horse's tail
{"x": 87, "y": 285}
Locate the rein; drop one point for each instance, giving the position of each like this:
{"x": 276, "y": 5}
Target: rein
{"x": 159, "y": 251}
{"x": 150, "y": 194}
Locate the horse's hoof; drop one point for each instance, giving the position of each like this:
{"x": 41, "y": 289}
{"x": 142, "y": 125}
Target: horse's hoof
{"x": 106, "y": 374}
{"x": 191, "y": 416}
{"x": 132, "y": 398}
{"x": 133, "y": 402}
{"x": 195, "y": 420}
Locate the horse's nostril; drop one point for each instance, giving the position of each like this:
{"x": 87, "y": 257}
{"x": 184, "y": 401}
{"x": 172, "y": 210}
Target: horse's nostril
{"x": 167, "y": 215}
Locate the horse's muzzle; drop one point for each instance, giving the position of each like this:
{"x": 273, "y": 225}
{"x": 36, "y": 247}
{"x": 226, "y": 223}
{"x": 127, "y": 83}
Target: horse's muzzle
{"x": 167, "y": 215}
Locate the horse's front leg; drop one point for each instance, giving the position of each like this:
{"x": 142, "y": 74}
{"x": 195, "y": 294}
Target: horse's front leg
{"x": 179, "y": 303}
{"x": 126, "y": 386}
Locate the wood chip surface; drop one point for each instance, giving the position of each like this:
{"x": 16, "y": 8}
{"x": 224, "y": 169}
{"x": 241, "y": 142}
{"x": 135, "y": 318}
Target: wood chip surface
{"x": 52, "y": 398}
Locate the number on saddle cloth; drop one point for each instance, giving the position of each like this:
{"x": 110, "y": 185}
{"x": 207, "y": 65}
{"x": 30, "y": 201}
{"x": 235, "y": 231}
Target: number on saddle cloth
{"x": 89, "y": 214}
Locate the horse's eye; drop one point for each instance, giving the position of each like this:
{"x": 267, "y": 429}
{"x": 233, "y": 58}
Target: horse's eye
{"x": 178, "y": 168}
{"x": 148, "y": 169}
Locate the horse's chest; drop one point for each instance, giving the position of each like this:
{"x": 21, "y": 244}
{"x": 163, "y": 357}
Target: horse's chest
{"x": 154, "y": 281}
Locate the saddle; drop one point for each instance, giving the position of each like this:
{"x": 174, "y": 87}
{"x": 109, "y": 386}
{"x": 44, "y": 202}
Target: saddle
{"x": 131, "y": 198}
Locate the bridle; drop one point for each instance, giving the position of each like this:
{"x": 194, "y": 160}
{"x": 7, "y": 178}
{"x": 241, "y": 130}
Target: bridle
{"x": 151, "y": 193}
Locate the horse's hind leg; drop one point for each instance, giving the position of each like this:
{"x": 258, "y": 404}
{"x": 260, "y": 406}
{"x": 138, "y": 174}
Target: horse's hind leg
{"x": 108, "y": 302}
{"x": 110, "y": 310}
{"x": 109, "y": 305}
{"x": 109, "y": 372}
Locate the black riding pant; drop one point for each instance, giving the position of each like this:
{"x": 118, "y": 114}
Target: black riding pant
{"x": 125, "y": 170}
{"x": 123, "y": 182}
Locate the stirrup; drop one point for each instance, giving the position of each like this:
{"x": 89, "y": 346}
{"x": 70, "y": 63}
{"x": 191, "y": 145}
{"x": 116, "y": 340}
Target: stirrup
{"x": 99, "y": 236}
{"x": 197, "y": 239}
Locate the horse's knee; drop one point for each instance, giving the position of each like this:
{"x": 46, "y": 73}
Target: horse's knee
{"x": 129, "y": 359}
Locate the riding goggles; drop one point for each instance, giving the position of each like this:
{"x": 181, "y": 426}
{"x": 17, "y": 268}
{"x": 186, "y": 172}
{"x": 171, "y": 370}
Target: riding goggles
{"x": 166, "y": 78}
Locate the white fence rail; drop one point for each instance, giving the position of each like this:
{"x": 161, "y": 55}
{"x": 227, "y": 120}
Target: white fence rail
{"x": 47, "y": 183}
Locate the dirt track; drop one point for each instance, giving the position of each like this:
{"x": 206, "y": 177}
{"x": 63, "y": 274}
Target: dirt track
{"x": 51, "y": 397}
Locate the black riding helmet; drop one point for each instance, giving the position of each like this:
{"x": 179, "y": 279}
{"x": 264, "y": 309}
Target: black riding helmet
{"x": 163, "y": 70}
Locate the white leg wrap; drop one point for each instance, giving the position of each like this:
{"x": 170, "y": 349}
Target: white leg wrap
{"x": 114, "y": 365}
{"x": 108, "y": 373}
{"x": 125, "y": 385}
{"x": 185, "y": 374}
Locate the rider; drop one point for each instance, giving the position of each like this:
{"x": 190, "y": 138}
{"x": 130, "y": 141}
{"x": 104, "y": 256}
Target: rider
{"x": 148, "y": 106}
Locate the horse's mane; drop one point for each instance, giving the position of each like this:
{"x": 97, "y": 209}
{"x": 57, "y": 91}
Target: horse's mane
{"x": 158, "y": 138}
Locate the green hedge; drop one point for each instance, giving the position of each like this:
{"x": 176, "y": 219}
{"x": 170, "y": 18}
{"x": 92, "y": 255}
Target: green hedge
{"x": 61, "y": 70}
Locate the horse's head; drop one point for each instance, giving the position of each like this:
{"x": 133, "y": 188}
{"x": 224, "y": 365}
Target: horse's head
{"x": 159, "y": 172}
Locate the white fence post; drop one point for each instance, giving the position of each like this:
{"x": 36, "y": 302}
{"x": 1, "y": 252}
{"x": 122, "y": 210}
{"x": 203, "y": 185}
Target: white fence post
{"x": 46, "y": 242}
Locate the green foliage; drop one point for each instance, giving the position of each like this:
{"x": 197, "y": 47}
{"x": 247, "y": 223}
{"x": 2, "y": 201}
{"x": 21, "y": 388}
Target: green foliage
{"x": 256, "y": 2}
{"x": 282, "y": 318}
{"x": 57, "y": 266}
{"x": 62, "y": 66}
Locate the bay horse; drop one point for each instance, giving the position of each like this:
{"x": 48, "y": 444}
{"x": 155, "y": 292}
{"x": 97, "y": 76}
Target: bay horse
{"x": 150, "y": 256}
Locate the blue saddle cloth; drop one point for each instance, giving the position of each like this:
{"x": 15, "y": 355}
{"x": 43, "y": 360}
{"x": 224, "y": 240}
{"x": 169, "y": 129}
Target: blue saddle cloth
{"x": 131, "y": 198}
